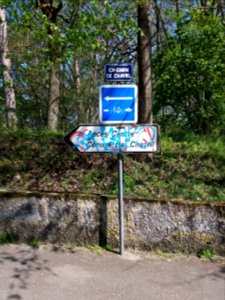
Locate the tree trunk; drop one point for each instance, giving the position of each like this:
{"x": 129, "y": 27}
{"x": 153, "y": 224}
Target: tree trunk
{"x": 144, "y": 64}
{"x": 79, "y": 106}
{"x": 77, "y": 75}
{"x": 7, "y": 70}
{"x": 54, "y": 97}
{"x": 51, "y": 12}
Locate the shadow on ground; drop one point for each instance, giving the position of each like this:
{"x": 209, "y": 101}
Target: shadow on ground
{"x": 22, "y": 266}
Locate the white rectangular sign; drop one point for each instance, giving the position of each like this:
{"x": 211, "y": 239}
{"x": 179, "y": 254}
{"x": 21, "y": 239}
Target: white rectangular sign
{"x": 102, "y": 138}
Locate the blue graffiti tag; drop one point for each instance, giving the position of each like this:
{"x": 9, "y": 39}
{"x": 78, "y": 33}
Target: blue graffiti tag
{"x": 114, "y": 139}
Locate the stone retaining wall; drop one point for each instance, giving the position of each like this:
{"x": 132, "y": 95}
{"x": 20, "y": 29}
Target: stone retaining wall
{"x": 70, "y": 218}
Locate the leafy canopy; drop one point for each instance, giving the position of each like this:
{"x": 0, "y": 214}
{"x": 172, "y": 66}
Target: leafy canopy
{"x": 190, "y": 73}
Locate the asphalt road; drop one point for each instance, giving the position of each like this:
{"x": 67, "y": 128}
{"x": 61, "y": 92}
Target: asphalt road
{"x": 48, "y": 273}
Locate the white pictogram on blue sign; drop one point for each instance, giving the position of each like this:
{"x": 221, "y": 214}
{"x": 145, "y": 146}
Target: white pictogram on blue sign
{"x": 118, "y": 104}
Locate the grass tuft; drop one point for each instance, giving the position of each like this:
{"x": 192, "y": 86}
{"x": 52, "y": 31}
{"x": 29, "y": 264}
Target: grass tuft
{"x": 206, "y": 252}
{"x": 7, "y": 237}
{"x": 33, "y": 242}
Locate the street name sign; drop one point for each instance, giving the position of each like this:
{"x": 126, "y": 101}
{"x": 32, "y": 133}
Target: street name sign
{"x": 118, "y": 104}
{"x": 118, "y": 72}
{"x": 114, "y": 139}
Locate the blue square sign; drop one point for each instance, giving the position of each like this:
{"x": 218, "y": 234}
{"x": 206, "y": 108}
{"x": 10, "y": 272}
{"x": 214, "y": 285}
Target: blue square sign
{"x": 118, "y": 104}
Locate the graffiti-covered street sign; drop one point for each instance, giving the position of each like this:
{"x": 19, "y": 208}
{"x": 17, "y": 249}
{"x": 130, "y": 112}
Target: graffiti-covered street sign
{"x": 114, "y": 139}
{"x": 118, "y": 72}
{"x": 118, "y": 104}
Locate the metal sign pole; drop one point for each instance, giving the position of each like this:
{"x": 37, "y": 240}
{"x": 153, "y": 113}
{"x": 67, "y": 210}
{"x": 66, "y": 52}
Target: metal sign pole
{"x": 121, "y": 208}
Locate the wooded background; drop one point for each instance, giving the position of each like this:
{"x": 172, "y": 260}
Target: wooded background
{"x": 53, "y": 55}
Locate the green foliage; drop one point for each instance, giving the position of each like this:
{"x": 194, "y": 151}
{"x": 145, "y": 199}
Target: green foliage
{"x": 93, "y": 247}
{"x": 189, "y": 89}
{"x": 96, "y": 248}
{"x": 206, "y": 252}
{"x": 89, "y": 31}
{"x": 189, "y": 168}
{"x": 188, "y": 62}
{"x": 33, "y": 242}
{"x": 164, "y": 254}
{"x": 189, "y": 71}
{"x": 91, "y": 179}
{"x": 7, "y": 237}
{"x": 108, "y": 247}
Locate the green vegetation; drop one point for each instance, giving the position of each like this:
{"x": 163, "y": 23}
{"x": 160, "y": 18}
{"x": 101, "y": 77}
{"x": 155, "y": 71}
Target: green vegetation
{"x": 56, "y": 57}
{"x": 93, "y": 247}
{"x": 33, "y": 242}
{"x": 206, "y": 252}
{"x": 57, "y": 50}
{"x": 7, "y": 237}
{"x": 168, "y": 255}
{"x": 108, "y": 247}
{"x": 96, "y": 248}
{"x": 189, "y": 167}
{"x": 190, "y": 75}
